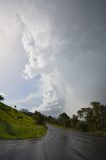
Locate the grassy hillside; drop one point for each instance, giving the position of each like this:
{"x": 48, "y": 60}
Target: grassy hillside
{"x": 15, "y": 124}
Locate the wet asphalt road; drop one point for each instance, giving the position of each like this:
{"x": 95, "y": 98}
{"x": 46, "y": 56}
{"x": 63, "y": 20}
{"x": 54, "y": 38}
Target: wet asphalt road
{"x": 58, "y": 144}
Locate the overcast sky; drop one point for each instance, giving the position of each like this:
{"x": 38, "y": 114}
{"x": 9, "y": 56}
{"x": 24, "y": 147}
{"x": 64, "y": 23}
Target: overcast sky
{"x": 53, "y": 54}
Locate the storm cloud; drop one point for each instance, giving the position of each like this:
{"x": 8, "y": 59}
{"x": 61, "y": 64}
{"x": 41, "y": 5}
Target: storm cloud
{"x": 65, "y": 45}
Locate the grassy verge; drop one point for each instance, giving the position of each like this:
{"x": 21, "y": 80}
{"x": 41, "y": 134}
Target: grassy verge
{"x": 98, "y": 133}
{"x": 60, "y": 126}
{"x": 17, "y": 125}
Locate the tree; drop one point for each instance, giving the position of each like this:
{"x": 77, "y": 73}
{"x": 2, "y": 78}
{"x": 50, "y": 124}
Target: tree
{"x": 39, "y": 118}
{"x": 1, "y": 98}
{"x": 26, "y": 111}
{"x": 82, "y": 125}
{"x": 99, "y": 115}
{"x": 64, "y": 120}
{"x": 74, "y": 120}
{"x": 80, "y": 114}
{"x": 95, "y": 116}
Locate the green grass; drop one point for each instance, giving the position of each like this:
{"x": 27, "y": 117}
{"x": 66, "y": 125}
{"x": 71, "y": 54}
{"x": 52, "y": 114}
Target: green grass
{"x": 98, "y": 133}
{"x": 13, "y": 126}
{"x": 60, "y": 126}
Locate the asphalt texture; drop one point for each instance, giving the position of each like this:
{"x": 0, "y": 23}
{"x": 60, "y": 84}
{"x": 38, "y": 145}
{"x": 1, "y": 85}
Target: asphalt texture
{"x": 58, "y": 144}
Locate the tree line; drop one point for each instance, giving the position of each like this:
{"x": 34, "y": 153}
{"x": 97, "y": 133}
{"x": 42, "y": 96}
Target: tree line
{"x": 86, "y": 119}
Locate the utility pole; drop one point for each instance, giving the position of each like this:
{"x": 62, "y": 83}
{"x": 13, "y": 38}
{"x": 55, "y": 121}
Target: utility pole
{"x": 21, "y": 117}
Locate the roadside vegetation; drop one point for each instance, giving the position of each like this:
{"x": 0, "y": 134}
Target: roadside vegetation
{"x": 91, "y": 119}
{"x": 16, "y": 124}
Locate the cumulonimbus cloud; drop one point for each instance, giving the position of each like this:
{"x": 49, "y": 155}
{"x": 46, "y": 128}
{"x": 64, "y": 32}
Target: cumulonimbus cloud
{"x": 64, "y": 48}
{"x": 64, "y": 43}
{"x": 41, "y": 62}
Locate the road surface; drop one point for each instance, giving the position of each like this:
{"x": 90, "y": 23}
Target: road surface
{"x": 58, "y": 144}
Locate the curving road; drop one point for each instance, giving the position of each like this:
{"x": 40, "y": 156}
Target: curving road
{"x": 58, "y": 144}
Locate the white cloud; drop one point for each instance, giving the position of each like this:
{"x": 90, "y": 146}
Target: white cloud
{"x": 36, "y": 46}
{"x": 58, "y": 59}
{"x": 64, "y": 44}
{"x": 41, "y": 62}
{"x": 3, "y": 94}
{"x": 52, "y": 102}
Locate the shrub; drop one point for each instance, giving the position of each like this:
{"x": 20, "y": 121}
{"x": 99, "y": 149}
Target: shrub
{"x": 82, "y": 125}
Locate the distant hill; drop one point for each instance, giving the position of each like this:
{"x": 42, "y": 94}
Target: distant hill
{"x": 17, "y": 125}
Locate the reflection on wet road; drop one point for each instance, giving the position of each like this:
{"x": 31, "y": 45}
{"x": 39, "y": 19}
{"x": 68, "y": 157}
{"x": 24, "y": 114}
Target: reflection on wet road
{"x": 58, "y": 144}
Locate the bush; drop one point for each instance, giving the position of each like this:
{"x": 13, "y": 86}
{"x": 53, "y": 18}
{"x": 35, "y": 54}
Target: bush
{"x": 1, "y": 98}
{"x": 82, "y": 125}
